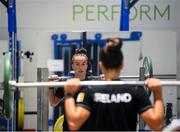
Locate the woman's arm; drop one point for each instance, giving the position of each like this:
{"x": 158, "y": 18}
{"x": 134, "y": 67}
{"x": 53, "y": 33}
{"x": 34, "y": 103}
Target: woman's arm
{"x": 54, "y": 101}
{"x": 154, "y": 117}
{"x": 75, "y": 115}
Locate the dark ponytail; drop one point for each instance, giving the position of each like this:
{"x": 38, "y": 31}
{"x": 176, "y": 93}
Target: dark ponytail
{"x": 111, "y": 55}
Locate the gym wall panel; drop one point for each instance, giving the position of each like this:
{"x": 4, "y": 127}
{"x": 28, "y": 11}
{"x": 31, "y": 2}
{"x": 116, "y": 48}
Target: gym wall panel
{"x": 45, "y": 45}
{"x": 178, "y": 72}
{"x": 3, "y": 33}
{"x": 3, "y": 48}
{"x": 161, "y": 46}
{"x": 3, "y": 16}
{"x": 29, "y": 72}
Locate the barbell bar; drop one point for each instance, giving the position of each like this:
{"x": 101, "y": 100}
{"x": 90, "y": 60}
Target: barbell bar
{"x": 159, "y": 76}
{"x": 87, "y": 83}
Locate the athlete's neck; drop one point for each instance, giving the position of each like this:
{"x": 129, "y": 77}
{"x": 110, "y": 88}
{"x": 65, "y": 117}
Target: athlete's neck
{"x": 111, "y": 75}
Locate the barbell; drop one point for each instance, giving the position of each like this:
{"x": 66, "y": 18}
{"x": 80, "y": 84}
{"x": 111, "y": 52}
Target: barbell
{"x": 87, "y": 83}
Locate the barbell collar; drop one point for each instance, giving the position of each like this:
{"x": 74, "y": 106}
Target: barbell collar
{"x": 88, "y": 83}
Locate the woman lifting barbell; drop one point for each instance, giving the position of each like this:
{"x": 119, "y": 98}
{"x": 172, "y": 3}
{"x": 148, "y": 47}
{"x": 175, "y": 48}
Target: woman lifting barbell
{"x": 113, "y": 107}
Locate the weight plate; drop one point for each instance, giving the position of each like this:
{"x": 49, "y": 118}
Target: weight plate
{"x": 7, "y": 88}
{"x": 59, "y": 124}
{"x": 20, "y": 113}
{"x": 147, "y": 64}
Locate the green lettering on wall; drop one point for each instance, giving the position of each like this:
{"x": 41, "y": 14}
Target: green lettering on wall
{"x": 135, "y": 14}
{"x": 77, "y": 9}
{"x": 162, "y": 14}
{"x": 114, "y": 10}
{"x": 102, "y": 12}
{"x": 89, "y": 11}
{"x": 144, "y": 9}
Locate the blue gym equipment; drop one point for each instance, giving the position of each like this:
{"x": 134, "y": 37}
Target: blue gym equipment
{"x": 126, "y": 5}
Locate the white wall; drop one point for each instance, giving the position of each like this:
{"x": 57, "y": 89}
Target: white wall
{"x": 178, "y": 73}
{"x": 29, "y": 73}
{"x": 3, "y": 48}
{"x": 178, "y": 60}
{"x": 58, "y": 15}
